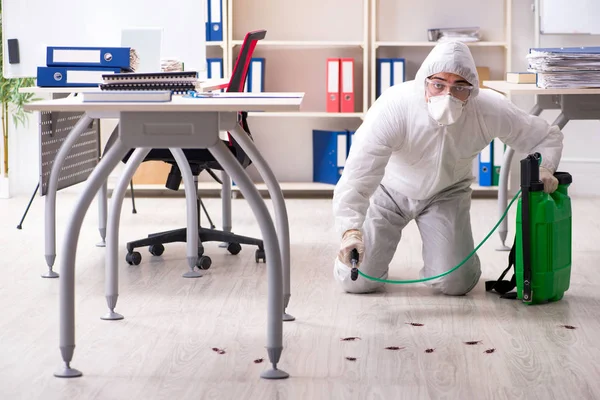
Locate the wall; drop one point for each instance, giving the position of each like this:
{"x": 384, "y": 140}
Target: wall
{"x": 292, "y": 136}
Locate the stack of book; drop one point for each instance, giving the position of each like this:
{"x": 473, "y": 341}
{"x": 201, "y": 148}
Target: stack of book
{"x": 177, "y": 82}
{"x": 565, "y": 67}
{"x": 144, "y": 86}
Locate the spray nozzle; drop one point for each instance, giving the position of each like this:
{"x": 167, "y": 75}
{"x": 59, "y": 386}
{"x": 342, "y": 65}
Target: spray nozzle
{"x": 354, "y": 261}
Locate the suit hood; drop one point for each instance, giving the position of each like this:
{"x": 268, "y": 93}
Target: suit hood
{"x": 451, "y": 57}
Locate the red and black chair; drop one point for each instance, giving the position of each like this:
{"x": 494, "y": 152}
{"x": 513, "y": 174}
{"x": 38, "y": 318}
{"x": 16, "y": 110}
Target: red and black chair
{"x": 202, "y": 160}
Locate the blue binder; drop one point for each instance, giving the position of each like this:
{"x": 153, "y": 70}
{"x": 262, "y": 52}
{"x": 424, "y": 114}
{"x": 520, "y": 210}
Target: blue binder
{"x": 256, "y": 76}
{"x": 215, "y": 20}
{"x": 215, "y": 68}
{"x": 390, "y": 72}
{"x": 72, "y": 76}
{"x": 485, "y": 165}
{"x": 108, "y": 57}
{"x": 330, "y": 150}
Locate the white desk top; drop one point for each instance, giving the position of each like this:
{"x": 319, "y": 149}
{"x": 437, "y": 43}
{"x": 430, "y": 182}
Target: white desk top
{"x": 205, "y": 86}
{"x": 531, "y": 88}
{"x": 226, "y": 102}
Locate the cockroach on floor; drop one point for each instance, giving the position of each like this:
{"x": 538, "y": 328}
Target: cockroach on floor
{"x": 490, "y": 351}
{"x": 259, "y": 360}
{"x": 351, "y": 358}
{"x": 568, "y": 326}
{"x": 394, "y": 348}
{"x": 217, "y": 350}
{"x": 473, "y": 342}
{"x": 415, "y": 323}
{"x": 429, "y": 350}
{"x": 349, "y": 339}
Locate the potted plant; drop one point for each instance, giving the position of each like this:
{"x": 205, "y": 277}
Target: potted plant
{"x": 12, "y": 103}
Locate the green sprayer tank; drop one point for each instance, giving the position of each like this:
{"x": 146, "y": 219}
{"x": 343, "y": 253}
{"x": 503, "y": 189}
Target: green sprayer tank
{"x": 543, "y": 236}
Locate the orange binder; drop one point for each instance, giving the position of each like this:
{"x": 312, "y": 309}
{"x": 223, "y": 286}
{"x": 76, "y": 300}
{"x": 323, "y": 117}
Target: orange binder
{"x": 333, "y": 85}
{"x": 347, "y": 85}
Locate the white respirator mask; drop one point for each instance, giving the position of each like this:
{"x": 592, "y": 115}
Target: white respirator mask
{"x": 445, "y": 109}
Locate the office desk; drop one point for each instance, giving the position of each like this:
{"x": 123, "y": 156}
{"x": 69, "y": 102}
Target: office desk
{"x": 182, "y": 123}
{"x": 575, "y": 104}
{"x": 59, "y": 161}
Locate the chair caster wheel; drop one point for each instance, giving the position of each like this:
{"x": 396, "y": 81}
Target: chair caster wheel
{"x": 134, "y": 258}
{"x": 234, "y": 248}
{"x": 260, "y": 255}
{"x": 203, "y": 262}
{"x": 156, "y": 249}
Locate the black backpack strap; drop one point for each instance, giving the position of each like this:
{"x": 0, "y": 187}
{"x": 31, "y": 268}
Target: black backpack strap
{"x": 503, "y": 286}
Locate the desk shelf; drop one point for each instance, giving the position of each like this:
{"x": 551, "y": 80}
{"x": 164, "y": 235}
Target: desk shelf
{"x": 289, "y": 189}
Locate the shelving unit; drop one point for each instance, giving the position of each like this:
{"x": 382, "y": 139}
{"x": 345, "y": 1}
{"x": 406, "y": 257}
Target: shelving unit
{"x": 302, "y": 35}
{"x": 412, "y": 46}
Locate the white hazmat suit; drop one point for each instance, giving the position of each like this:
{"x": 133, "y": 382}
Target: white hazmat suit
{"x": 413, "y": 160}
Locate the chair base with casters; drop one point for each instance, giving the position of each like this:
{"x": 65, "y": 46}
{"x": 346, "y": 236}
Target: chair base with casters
{"x": 156, "y": 241}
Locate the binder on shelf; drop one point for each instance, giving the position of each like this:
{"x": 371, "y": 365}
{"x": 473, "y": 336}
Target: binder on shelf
{"x": 347, "y": 85}
{"x": 485, "y": 165}
{"x": 72, "y": 76}
{"x": 207, "y": 20}
{"x": 390, "y": 72}
{"x": 108, "y": 57}
{"x": 215, "y": 69}
{"x": 215, "y": 21}
{"x": 498, "y": 149}
{"x": 330, "y": 150}
{"x": 333, "y": 85}
{"x": 255, "y": 83}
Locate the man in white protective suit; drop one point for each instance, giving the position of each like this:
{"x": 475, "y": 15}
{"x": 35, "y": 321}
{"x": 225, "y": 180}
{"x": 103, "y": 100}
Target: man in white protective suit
{"x": 412, "y": 159}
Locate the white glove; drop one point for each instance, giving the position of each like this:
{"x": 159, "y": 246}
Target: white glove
{"x": 549, "y": 180}
{"x": 352, "y": 239}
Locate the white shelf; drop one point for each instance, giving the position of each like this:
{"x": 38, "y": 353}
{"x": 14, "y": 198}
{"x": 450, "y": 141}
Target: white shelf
{"x": 303, "y": 43}
{"x": 215, "y": 44}
{"x": 301, "y": 114}
{"x": 431, "y": 44}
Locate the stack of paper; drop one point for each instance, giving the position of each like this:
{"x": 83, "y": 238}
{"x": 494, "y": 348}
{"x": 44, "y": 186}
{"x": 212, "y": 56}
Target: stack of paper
{"x": 566, "y": 67}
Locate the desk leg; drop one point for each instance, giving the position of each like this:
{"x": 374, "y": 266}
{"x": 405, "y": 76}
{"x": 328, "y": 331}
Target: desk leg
{"x": 281, "y": 217}
{"x": 274, "y": 270}
{"x": 50, "y": 203}
{"x": 67, "y": 283}
{"x": 226, "y": 205}
{"x": 111, "y": 283}
{"x": 102, "y": 213}
{"x": 503, "y": 196}
{"x": 191, "y": 198}
{"x": 226, "y": 199}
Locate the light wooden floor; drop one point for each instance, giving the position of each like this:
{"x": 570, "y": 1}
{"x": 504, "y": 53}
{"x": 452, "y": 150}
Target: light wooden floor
{"x": 162, "y": 349}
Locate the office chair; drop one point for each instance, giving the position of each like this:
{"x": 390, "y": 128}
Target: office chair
{"x": 201, "y": 160}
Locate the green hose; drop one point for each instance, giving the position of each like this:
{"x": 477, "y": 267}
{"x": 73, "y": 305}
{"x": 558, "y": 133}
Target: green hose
{"x": 396, "y": 282}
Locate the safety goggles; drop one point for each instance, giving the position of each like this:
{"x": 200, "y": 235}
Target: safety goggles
{"x": 437, "y": 88}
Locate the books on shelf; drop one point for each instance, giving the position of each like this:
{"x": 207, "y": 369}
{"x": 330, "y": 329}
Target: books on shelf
{"x": 565, "y": 67}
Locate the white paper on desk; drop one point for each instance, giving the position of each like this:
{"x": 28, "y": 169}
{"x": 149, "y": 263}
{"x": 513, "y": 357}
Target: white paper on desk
{"x": 574, "y": 79}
